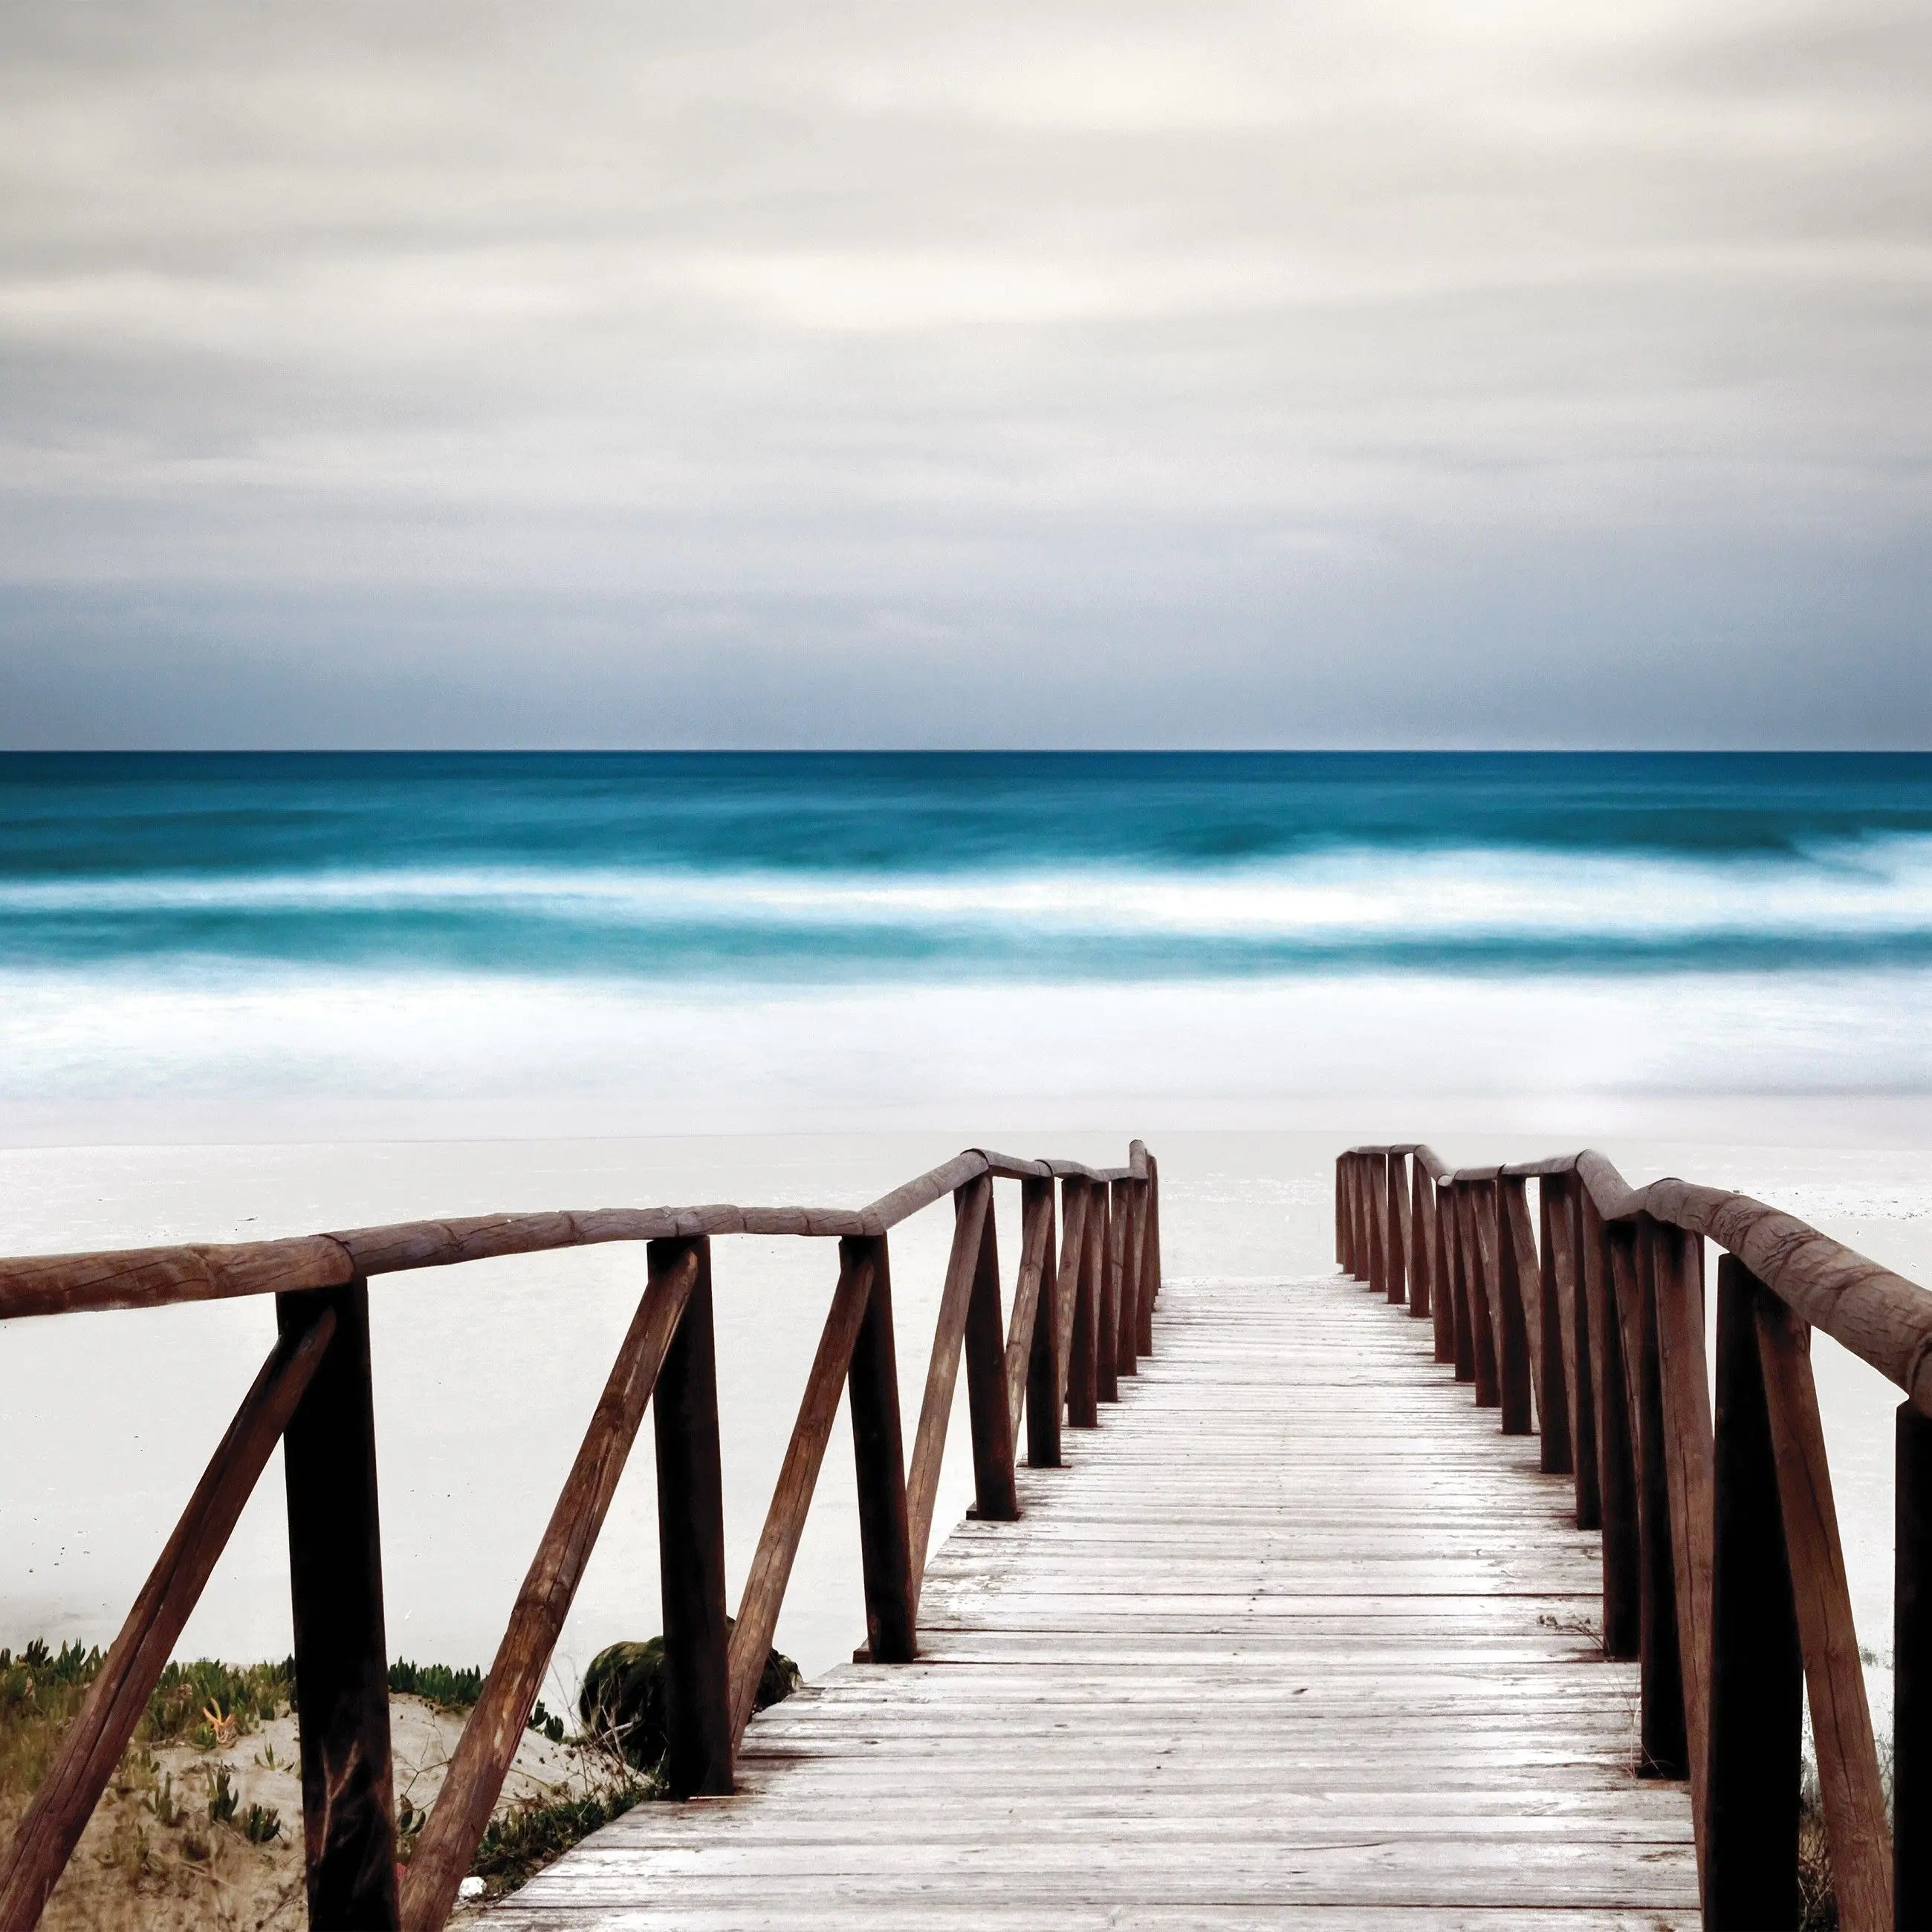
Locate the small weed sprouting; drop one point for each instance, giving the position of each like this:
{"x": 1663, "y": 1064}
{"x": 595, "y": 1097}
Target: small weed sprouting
{"x": 546, "y": 1722}
{"x": 266, "y": 1758}
{"x": 261, "y": 1823}
{"x": 222, "y": 1796}
{"x": 168, "y": 1809}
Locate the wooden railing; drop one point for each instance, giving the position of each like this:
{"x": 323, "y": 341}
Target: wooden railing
{"x": 1090, "y": 1262}
{"x": 1584, "y": 1318}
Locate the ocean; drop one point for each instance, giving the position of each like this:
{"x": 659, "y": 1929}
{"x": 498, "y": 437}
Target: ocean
{"x": 231, "y": 944}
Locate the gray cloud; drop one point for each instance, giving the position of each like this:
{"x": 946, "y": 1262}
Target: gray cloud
{"x": 428, "y": 374}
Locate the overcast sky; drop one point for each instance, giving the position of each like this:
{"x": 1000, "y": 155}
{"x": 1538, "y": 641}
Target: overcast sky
{"x": 1359, "y": 372}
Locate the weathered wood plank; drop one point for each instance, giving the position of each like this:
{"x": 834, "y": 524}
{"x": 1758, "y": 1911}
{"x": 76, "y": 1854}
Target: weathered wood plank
{"x": 1294, "y": 1631}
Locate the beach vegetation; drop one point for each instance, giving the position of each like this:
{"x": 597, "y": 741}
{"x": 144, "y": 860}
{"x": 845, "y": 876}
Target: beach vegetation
{"x": 435, "y": 1683}
{"x": 520, "y": 1842}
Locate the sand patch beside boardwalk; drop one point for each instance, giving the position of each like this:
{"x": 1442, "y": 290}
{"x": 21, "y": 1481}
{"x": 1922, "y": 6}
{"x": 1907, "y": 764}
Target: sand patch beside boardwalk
{"x": 151, "y": 1859}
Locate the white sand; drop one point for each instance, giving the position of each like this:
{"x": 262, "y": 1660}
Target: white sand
{"x": 486, "y": 1374}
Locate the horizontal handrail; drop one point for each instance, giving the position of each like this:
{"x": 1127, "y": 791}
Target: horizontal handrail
{"x": 1883, "y": 1318}
{"x": 1723, "y": 1572}
{"x": 1081, "y": 1316}
{"x": 32, "y": 1285}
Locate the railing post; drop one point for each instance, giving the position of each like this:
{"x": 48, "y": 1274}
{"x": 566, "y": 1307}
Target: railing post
{"x": 1083, "y": 1371}
{"x": 1395, "y": 1211}
{"x": 1345, "y": 1182}
{"x": 1421, "y": 1235}
{"x": 1757, "y": 1675}
{"x": 1358, "y": 1224}
{"x": 1375, "y": 1205}
{"x": 335, "y": 1577}
{"x": 1616, "y": 1467}
{"x": 1556, "y": 1364}
{"x": 1513, "y": 1377}
{"x": 1120, "y": 1259}
{"x": 1463, "y": 1282}
{"x": 1042, "y": 1399}
{"x": 1678, "y": 1279}
{"x": 1454, "y": 1340}
{"x": 1912, "y": 1678}
{"x": 1341, "y": 1212}
{"x": 1479, "y": 1258}
{"x": 996, "y": 1499}
{"x": 878, "y": 1455}
{"x": 1661, "y": 1696}
{"x": 1567, "y": 1304}
{"x": 1146, "y": 1270}
{"x": 691, "y": 1542}
{"x": 1107, "y": 1295}
{"x": 1365, "y": 1262}
{"x": 1153, "y": 1237}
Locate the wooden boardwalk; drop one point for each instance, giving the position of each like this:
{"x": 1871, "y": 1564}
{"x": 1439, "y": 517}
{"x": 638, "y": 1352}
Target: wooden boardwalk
{"x": 1297, "y": 1639}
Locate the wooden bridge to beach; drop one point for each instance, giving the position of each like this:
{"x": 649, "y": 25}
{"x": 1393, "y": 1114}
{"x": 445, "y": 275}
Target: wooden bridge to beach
{"x": 1438, "y": 1590}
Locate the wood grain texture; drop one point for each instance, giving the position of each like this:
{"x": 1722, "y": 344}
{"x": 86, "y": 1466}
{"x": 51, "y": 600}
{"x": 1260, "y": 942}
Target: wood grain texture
{"x": 1849, "y": 1786}
{"x": 1518, "y": 1293}
{"x": 1153, "y": 1235}
{"x": 1677, "y": 1269}
{"x": 90, "y": 1747}
{"x": 764, "y": 1593}
{"x": 1221, "y": 1674}
{"x": 1081, "y": 1369}
{"x": 1120, "y": 1276}
{"x": 1374, "y": 1212}
{"x": 1402, "y": 1231}
{"x": 1461, "y": 1266}
{"x": 1418, "y": 1225}
{"x": 973, "y": 1208}
{"x": 1565, "y": 1307}
{"x": 1146, "y": 1270}
{"x": 1475, "y": 1217}
{"x": 495, "y": 1727}
{"x": 147, "y": 1277}
{"x": 1106, "y": 1295}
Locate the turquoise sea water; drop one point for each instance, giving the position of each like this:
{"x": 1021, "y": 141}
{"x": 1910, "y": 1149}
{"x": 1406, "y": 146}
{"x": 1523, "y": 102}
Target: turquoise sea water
{"x": 822, "y": 868}
{"x": 200, "y": 925}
